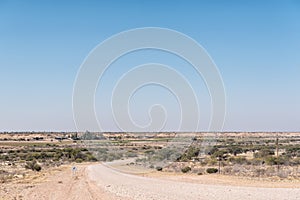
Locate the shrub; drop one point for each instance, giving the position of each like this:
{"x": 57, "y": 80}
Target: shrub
{"x": 29, "y": 157}
{"x": 221, "y": 154}
{"x": 235, "y": 150}
{"x": 238, "y": 160}
{"x": 165, "y": 154}
{"x": 296, "y": 161}
{"x": 264, "y": 153}
{"x": 282, "y": 160}
{"x": 211, "y": 151}
{"x": 271, "y": 160}
{"x": 212, "y": 170}
{"x": 158, "y": 168}
{"x": 260, "y": 172}
{"x": 150, "y": 151}
{"x": 282, "y": 174}
{"x": 131, "y": 154}
{"x": 190, "y": 153}
{"x": 212, "y": 161}
{"x": 91, "y": 158}
{"x": 37, "y": 167}
{"x": 113, "y": 156}
{"x": 186, "y": 169}
{"x": 257, "y": 161}
{"x": 33, "y": 165}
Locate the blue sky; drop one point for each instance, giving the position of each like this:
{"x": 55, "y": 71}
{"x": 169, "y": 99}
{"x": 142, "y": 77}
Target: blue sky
{"x": 255, "y": 45}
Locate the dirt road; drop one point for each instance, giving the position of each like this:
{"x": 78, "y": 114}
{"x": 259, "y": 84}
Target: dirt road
{"x": 102, "y": 182}
{"x": 66, "y": 185}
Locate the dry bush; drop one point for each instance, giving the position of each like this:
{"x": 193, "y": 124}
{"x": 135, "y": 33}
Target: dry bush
{"x": 5, "y": 176}
{"x": 283, "y": 174}
{"x": 186, "y": 169}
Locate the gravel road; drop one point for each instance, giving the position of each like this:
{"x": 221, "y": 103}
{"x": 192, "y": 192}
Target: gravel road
{"x": 145, "y": 188}
{"x": 104, "y": 183}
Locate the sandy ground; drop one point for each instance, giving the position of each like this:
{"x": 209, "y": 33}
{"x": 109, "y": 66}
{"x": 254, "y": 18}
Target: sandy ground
{"x": 98, "y": 181}
{"x": 66, "y": 185}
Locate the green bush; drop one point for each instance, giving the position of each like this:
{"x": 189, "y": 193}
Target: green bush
{"x": 282, "y": 160}
{"x": 186, "y": 169}
{"x": 212, "y": 170}
{"x": 271, "y": 160}
{"x": 91, "y": 158}
{"x": 235, "y": 150}
{"x": 190, "y": 153}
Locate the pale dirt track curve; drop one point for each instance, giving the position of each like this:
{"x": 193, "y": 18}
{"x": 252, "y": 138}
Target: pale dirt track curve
{"x": 102, "y": 182}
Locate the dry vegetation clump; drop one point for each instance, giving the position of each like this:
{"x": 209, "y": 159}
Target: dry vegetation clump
{"x": 21, "y": 152}
{"x": 239, "y": 154}
{"x": 255, "y": 156}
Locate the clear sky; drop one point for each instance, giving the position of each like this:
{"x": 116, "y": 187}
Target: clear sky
{"x": 255, "y": 44}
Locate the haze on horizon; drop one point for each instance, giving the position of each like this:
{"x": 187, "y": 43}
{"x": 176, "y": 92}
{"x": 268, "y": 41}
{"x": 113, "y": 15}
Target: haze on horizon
{"x": 255, "y": 45}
